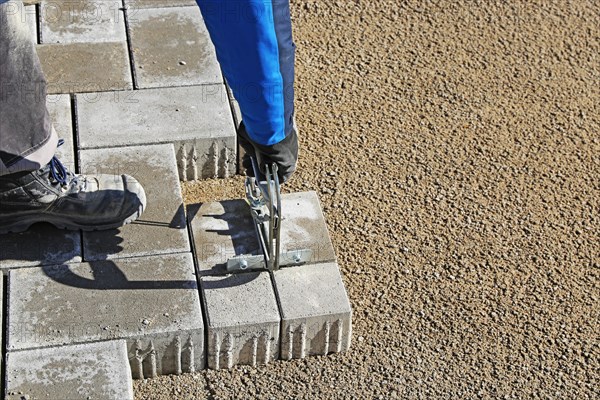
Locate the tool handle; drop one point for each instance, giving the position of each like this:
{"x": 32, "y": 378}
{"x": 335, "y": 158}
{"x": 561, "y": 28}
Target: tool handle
{"x": 260, "y": 177}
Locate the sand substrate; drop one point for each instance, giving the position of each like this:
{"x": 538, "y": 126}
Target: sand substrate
{"x": 455, "y": 146}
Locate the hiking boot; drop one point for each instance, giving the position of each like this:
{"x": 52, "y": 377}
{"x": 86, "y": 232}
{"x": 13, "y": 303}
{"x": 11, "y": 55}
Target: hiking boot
{"x": 53, "y": 194}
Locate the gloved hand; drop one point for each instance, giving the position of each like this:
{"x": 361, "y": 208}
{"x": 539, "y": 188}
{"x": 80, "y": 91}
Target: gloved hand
{"x": 284, "y": 154}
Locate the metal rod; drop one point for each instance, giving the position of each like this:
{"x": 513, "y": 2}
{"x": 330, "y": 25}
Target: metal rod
{"x": 271, "y": 216}
{"x": 278, "y": 216}
{"x": 263, "y": 193}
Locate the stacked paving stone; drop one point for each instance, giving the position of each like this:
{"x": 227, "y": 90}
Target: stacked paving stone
{"x": 135, "y": 88}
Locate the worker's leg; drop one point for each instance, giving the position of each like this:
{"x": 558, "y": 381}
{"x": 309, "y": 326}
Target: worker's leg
{"x": 27, "y": 140}
{"x": 253, "y": 40}
{"x": 34, "y": 185}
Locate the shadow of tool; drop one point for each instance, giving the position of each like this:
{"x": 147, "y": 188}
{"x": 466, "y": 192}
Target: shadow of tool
{"x": 108, "y": 276}
{"x": 106, "y": 273}
{"x": 177, "y": 222}
{"x": 215, "y": 246}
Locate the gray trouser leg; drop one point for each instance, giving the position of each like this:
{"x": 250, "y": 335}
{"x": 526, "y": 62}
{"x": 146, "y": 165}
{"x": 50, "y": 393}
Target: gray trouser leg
{"x": 27, "y": 139}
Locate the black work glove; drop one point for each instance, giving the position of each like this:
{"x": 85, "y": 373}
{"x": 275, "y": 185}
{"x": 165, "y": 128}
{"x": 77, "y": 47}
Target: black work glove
{"x": 284, "y": 154}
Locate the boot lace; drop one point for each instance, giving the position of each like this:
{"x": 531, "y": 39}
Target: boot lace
{"x": 57, "y": 169}
{"x": 60, "y": 174}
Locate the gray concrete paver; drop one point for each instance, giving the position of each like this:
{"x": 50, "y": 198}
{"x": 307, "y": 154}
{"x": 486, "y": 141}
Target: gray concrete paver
{"x": 162, "y": 228}
{"x": 196, "y": 119}
{"x": 26, "y": 15}
{"x": 171, "y": 47}
{"x": 225, "y": 229}
{"x": 221, "y": 230}
{"x": 303, "y": 226}
{"x": 152, "y": 302}
{"x": 85, "y": 67}
{"x": 316, "y": 312}
{"x": 142, "y": 4}
{"x": 82, "y": 21}
{"x": 242, "y": 320}
{"x": 92, "y": 371}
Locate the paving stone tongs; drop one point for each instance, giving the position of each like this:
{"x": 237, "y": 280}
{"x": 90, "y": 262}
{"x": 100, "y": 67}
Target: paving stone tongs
{"x": 263, "y": 194}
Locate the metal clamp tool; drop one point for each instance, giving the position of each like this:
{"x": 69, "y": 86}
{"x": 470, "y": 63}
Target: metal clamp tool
{"x": 263, "y": 194}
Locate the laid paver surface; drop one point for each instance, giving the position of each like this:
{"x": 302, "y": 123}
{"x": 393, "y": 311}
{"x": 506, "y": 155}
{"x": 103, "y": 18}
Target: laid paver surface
{"x": 154, "y": 116}
{"x": 162, "y": 228}
{"x": 171, "y": 47}
{"x": 150, "y": 101}
{"x": 85, "y": 67}
{"x": 152, "y": 302}
{"x": 82, "y": 21}
{"x": 312, "y": 302}
{"x": 91, "y": 370}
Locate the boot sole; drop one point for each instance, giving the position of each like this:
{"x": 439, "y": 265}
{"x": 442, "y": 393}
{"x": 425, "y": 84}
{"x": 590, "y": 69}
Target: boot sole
{"x": 23, "y": 225}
